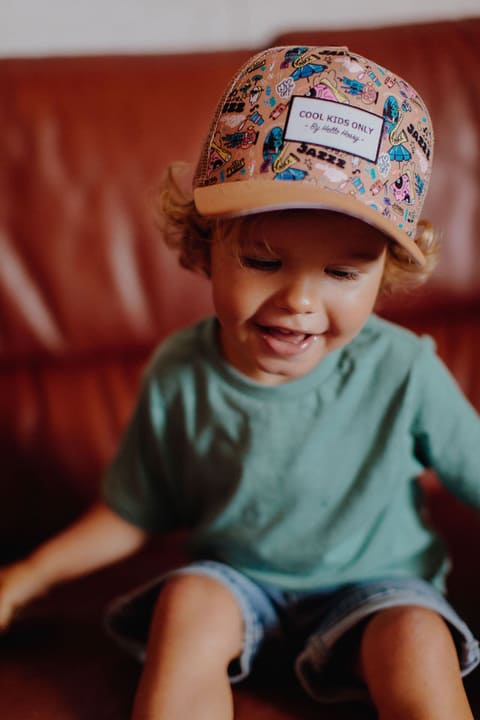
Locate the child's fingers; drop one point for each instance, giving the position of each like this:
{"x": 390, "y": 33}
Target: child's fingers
{"x": 6, "y": 614}
{"x": 13, "y": 594}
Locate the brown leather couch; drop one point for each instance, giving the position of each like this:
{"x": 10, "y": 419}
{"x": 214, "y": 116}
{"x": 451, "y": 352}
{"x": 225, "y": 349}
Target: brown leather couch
{"x": 87, "y": 289}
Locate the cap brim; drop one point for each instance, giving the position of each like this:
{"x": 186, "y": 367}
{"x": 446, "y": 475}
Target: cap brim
{"x": 251, "y": 196}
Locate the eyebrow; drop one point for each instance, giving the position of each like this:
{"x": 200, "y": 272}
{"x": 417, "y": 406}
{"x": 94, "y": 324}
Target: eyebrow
{"x": 356, "y": 255}
{"x": 256, "y": 244}
{"x": 365, "y": 255}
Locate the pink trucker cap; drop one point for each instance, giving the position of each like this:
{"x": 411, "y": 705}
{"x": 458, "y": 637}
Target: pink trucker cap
{"x": 319, "y": 127}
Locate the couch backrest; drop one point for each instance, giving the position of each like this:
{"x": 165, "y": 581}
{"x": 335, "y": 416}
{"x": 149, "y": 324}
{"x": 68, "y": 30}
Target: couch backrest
{"x": 87, "y": 287}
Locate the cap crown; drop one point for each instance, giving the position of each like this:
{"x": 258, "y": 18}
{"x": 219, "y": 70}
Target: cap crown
{"x": 319, "y": 127}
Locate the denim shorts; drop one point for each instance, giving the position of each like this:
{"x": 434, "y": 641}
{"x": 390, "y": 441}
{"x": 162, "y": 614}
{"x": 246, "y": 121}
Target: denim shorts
{"x": 307, "y": 626}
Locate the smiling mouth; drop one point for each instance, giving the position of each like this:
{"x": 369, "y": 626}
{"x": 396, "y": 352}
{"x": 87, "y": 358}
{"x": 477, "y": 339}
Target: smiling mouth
{"x": 293, "y": 337}
{"x": 286, "y": 343}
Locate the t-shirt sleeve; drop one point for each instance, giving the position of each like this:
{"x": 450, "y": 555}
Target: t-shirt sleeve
{"x": 138, "y": 485}
{"x": 446, "y": 427}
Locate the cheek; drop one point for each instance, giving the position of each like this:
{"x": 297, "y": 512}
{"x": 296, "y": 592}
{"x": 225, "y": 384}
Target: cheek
{"x": 223, "y": 281}
{"x": 354, "y": 307}
{"x": 223, "y": 300}
{"x": 235, "y": 297}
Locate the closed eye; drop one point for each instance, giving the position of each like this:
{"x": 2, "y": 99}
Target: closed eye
{"x": 262, "y": 264}
{"x": 343, "y": 273}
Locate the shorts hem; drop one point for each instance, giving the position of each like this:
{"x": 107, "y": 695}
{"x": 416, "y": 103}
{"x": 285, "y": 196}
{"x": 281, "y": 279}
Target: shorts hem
{"x": 312, "y": 661}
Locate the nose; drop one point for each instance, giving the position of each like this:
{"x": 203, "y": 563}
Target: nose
{"x": 301, "y": 294}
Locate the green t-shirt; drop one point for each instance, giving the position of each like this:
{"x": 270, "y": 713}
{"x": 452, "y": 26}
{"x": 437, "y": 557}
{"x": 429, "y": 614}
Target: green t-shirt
{"x": 307, "y": 484}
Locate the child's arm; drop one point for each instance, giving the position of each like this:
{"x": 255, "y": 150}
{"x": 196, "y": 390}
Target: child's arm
{"x": 98, "y": 538}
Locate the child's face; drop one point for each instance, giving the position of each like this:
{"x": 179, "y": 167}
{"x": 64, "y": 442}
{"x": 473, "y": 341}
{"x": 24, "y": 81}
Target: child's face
{"x": 305, "y": 285}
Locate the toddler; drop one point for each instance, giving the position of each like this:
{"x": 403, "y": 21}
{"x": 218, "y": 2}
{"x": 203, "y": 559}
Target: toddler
{"x": 285, "y": 433}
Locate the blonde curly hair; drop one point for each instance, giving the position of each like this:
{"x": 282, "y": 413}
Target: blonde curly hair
{"x": 190, "y": 235}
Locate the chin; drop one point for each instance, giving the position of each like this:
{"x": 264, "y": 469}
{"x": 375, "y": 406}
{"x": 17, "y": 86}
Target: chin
{"x": 281, "y": 372}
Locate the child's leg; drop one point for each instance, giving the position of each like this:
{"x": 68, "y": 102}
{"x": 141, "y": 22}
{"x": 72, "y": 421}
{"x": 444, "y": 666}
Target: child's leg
{"x": 410, "y": 664}
{"x": 196, "y": 631}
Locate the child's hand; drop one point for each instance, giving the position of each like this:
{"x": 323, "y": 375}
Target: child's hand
{"x": 18, "y": 586}
{"x": 97, "y": 539}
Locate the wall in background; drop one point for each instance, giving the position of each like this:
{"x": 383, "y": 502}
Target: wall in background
{"x": 45, "y": 27}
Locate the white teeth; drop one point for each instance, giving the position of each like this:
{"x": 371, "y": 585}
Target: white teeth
{"x": 285, "y": 331}
{"x": 290, "y": 336}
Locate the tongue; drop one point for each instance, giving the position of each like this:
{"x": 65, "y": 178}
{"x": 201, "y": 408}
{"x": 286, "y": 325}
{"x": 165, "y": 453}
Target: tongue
{"x": 289, "y": 336}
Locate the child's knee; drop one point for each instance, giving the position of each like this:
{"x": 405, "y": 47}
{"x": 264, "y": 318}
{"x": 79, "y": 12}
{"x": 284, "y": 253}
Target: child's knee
{"x": 407, "y": 629}
{"x": 198, "y": 606}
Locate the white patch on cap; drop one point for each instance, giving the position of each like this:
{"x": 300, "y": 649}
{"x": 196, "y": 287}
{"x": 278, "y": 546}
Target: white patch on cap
{"x": 353, "y": 66}
{"x": 234, "y": 121}
{"x": 422, "y": 160}
{"x": 285, "y": 88}
{"x": 335, "y": 175}
{"x": 384, "y": 165}
{"x": 334, "y": 125}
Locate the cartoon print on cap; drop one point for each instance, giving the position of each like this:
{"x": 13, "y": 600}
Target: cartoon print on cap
{"x": 241, "y": 139}
{"x": 327, "y": 89}
{"x": 403, "y": 189}
{"x": 272, "y": 147}
{"x": 365, "y": 91}
{"x": 282, "y": 166}
{"x": 303, "y": 62}
{"x": 391, "y": 113}
{"x": 277, "y": 157}
{"x": 306, "y": 71}
{"x": 329, "y": 120}
{"x": 255, "y": 91}
{"x": 217, "y": 158}
{"x": 290, "y": 56}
